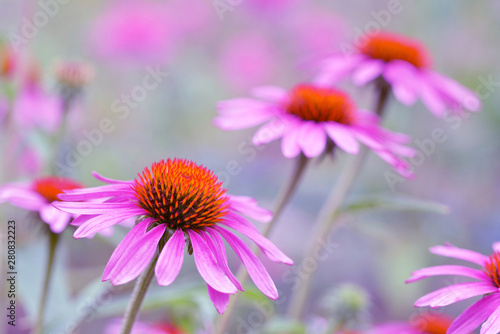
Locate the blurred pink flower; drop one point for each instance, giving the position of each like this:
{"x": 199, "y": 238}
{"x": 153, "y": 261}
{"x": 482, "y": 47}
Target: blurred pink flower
{"x": 134, "y": 30}
{"x": 424, "y": 323}
{"x": 312, "y": 120}
{"x": 265, "y": 7}
{"x": 487, "y": 309}
{"x": 192, "y": 18}
{"x": 248, "y": 60}
{"x": 39, "y": 195}
{"x": 404, "y": 64}
{"x": 114, "y": 327}
{"x": 181, "y": 202}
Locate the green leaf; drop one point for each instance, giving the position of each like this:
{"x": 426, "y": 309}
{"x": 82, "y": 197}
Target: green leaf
{"x": 394, "y": 203}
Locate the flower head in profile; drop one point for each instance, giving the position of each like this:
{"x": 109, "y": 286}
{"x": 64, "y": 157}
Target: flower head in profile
{"x": 312, "y": 120}
{"x": 176, "y": 202}
{"x": 424, "y": 323}
{"x": 405, "y": 65}
{"x": 486, "y": 311}
{"x": 39, "y": 195}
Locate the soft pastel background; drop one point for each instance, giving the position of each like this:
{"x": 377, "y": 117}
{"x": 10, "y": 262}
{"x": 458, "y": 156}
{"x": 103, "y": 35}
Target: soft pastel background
{"x": 211, "y": 56}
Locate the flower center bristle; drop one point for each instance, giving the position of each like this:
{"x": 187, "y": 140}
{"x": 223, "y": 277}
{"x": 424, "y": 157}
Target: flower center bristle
{"x": 321, "y": 105}
{"x": 181, "y": 194}
{"x": 491, "y": 268}
{"x": 389, "y": 47}
{"x": 50, "y": 187}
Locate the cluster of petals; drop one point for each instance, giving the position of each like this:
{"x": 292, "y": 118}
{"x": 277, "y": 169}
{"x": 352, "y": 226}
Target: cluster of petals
{"x": 486, "y": 311}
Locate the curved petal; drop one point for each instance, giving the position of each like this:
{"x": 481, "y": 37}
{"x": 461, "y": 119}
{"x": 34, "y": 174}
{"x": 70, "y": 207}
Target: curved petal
{"x": 207, "y": 265}
{"x": 459, "y": 253}
{"x": 404, "y": 79}
{"x": 312, "y": 139}
{"x": 337, "y": 68}
{"x": 270, "y": 93}
{"x": 455, "y": 293}
{"x": 342, "y": 136}
{"x": 248, "y": 207}
{"x": 474, "y": 315}
{"x": 170, "y": 260}
{"x": 255, "y": 268}
{"x": 137, "y": 256}
{"x": 90, "y": 208}
{"x": 273, "y": 130}
{"x": 431, "y": 97}
{"x": 219, "y": 299}
{"x": 22, "y": 196}
{"x": 108, "y": 180}
{"x": 289, "y": 144}
{"x": 446, "y": 270}
{"x": 367, "y": 71}
{"x": 101, "y": 222}
{"x": 56, "y": 219}
{"x": 492, "y": 325}
{"x": 83, "y": 194}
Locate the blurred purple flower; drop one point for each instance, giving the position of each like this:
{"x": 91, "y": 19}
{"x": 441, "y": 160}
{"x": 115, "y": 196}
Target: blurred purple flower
{"x": 114, "y": 327}
{"x": 176, "y": 202}
{"x": 487, "y": 309}
{"x": 39, "y": 195}
{"x": 312, "y": 120}
{"x": 404, "y": 64}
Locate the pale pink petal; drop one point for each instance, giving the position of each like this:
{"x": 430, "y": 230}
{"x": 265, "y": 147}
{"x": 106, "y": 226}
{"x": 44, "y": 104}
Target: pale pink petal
{"x": 273, "y": 130}
{"x": 170, "y": 260}
{"x": 248, "y": 206}
{"x": 103, "y": 221}
{"x": 137, "y": 256}
{"x": 367, "y": 71}
{"x": 108, "y": 180}
{"x": 255, "y": 268}
{"x": 270, "y": 93}
{"x": 492, "y": 325}
{"x": 496, "y": 246}
{"x": 57, "y": 219}
{"x": 22, "y": 196}
{"x": 455, "y": 293}
{"x": 134, "y": 234}
{"x": 393, "y": 328}
{"x": 431, "y": 97}
{"x": 219, "y": 299}
{"x": 290, "y": 144}
{"x": 342, "y": 136}
{"x": 238, "y": 121}
{"x": 404, "y": 79}
{"x": 83, "y": 194}
{"x": 446, "y": 270}
{"x": 459, "y": 253}
{"x": 474, "y": 315}
{"x": 312, "y": 139}
{"x": 241, "y": 221}
{"x": 89, "y": 208}
{"x": 336, "y": 68}
{"x": 207, "y": 265}
{"x": 272, "y": 252}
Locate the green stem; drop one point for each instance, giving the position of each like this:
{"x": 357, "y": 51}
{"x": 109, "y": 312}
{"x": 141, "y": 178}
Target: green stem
{"x": 53, "y": 241}
{"x": 326, "y": 220}
{"x": 283, "y": 198}
{"x": 138, "y": 294}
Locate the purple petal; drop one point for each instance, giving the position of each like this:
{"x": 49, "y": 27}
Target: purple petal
{"x": 312, "y": 139}
{"x": 342, "y": 136}
{"x": 255, "y": 268}
{"x": 170, "y": 261}
{"x": 337, "y": 68}
{"x": 207, "y": 266}
{"x": 270, "y": 131}
{"x": 108, "y": 180}
{"x": 135, "y": 233}
{"x": 496, "y": 246}
{"x": 492, "y": 325}
{"x": 101, "y": 222}
{"x": 248, "y": 206}
{"x": 270, "y": 93}
{"x": 455, "y": 293}
{"x": 219, "y": 299}
{"x": 446, "y": 270}
{"x": 289, "y": 144}
{"x": 459, "y": 253}
{"x": 137, "y": 256}
{"x": 367, "y": 71}
{"x": 22, "y": 196}
{"x": 57, "y": 219}
{"x": 431, "y": 98}
{"x": 404, "y": 79}
{"x": 473, "y": 316}
{"x": 272, "y": 252}
{"x": 89, "y": 208}
{"x": 83, "y": 194}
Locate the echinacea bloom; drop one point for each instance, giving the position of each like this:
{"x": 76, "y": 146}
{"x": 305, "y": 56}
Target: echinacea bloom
{"x": 425, "y": 323}
{"x": 39, "y": 195}
{"x": 486, "y": 311}
{"x": 142, "y": 328}
{"x": 405, "y": 65}
{"x": 176, "y": 202}
{"x": 312, "y": 120}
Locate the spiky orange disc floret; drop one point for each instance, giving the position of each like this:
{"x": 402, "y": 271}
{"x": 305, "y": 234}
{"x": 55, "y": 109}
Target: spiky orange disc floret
{"x": 51, "y": 186}
{"x": 181, "y": 194}
{"x": 389, "y": 47}
{"x": 321, "y": 105}
{"x": 491, "y": 268}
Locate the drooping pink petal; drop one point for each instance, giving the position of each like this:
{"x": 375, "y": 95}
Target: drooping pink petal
{"x": 342, "y": 136}
{"x": 474, "y": 315}
{"x": 207, "y": 265}
{"x": 455, "y": 293}
{"x": 312, "y": 139}
{"x": 337, "y": 68}
{"x": 264, "y": 244}
{"x": 137, "y": 256}
{"x": 108, "y": 180}
{"x": 22, "y": 196}
{"x": 90, "y": 208}
{"x": 431, "y": 97}
{"x": 270, "y": 93}
{"x": 270, "y": 131}
{"x": 83, "y": 194}
{"x": 134, "y": 234}
{"x": 248, "y": 206}
{"x": 459, "y": 253}
{"x": 57, "y": 219}
{"x": 404, "y": 80}
{"x": 446, "y": 270}
{"x": 170, "y": 260}
{"x": 367, "y": 71}
{"x": 103, "y": 221}
{"x": 255, "y": 268}
{"x": 492, "y": 325}
{"x": 219, "y": 299}
{"x": 290, "y": 143}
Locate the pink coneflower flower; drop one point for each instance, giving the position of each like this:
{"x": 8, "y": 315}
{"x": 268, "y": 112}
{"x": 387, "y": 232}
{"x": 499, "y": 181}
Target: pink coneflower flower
{"x": 39, "y": 196}
{"x": 426, "y": 323}
{"x": 405, "y": 65}
{"x": 312, "y": 120}
{"x": 142, "y": 328}
{"x": 487, "y": 309}
{"x": 176, "y": 202}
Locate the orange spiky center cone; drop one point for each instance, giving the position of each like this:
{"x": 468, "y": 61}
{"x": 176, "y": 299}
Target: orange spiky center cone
{"x": 491, "y": 268}
{"x": 432, "y": 323}
{"x": 50, "y": 187}
{"x": 320, "y": 104}
{"x": 388, "y": 47}
{"x": 181, "y": 194}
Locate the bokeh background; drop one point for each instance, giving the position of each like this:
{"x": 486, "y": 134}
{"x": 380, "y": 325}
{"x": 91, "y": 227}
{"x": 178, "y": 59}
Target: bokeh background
{"x": 215, "y": 50}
